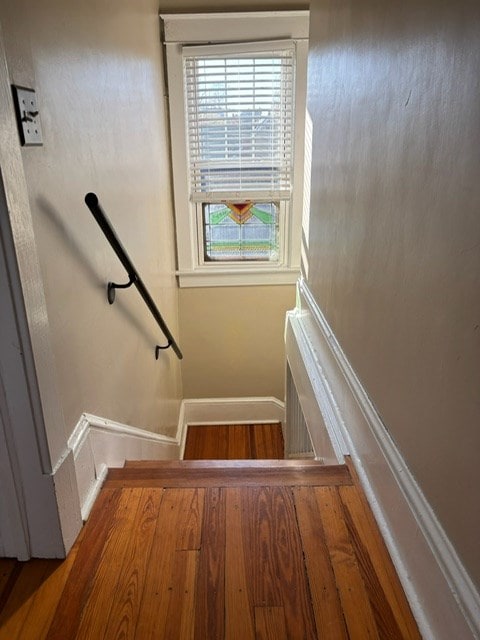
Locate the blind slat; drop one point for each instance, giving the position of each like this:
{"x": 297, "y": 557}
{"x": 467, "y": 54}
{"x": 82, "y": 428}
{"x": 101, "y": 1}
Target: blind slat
{"x": 239, "y": 114}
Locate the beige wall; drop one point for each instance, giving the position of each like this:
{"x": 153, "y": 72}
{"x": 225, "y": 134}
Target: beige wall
{"x": 395, "y": 230}
{"x": 98, "y": 74}
{"x": 232, "y": 339}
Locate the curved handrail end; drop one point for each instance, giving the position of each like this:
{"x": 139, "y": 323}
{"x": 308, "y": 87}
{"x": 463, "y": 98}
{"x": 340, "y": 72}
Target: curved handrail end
{"x": 91, "y": 199}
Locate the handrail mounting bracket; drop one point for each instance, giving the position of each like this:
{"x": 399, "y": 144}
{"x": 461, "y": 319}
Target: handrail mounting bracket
{"x": 111, "y": 286}
{"x": 159, "y": 348}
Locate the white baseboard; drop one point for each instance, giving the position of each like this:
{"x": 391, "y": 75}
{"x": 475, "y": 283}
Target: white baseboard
{"x": 233, "y": 410}
{"x": 210, "y": 411}
{"x": 441, "y": 594}
{"x": 98, "y": 443}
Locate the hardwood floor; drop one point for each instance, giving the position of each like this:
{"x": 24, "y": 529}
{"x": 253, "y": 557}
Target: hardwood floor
{"x": 234, "y": 442}
{"x": 211, "y": 550}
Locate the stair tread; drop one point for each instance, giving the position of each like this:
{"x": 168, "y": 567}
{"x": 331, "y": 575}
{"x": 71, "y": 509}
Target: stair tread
{"x": 225, "y": 473}
{"x": 237, "y": 464}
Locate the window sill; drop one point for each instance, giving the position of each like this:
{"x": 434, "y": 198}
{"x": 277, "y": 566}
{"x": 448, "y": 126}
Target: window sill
{"x": 212, "y": 277}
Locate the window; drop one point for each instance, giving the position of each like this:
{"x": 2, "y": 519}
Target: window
{"x": 237, "y": 113}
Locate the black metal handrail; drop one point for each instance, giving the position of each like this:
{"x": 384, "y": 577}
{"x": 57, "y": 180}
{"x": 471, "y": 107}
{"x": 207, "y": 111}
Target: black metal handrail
{"x": 91, "y": 200}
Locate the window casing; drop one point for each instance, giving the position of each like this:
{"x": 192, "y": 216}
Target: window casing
{"x": 237, "y": 113}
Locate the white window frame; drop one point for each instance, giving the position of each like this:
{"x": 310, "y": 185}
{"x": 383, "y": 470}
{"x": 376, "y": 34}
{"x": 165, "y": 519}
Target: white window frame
{"x": 188, "y": 29}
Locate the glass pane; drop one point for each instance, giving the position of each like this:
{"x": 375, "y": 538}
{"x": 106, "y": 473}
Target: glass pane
{"x": 245, "y": 231}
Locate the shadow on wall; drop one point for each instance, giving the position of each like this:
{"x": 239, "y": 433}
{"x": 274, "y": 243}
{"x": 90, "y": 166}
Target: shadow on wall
{"x": 85, "y": 265}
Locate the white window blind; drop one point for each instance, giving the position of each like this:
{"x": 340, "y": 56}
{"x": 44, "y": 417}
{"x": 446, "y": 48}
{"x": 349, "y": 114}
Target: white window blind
{"x": 239, "y": 112}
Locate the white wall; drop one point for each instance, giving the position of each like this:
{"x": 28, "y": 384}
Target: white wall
{"x": 394, "y": 257}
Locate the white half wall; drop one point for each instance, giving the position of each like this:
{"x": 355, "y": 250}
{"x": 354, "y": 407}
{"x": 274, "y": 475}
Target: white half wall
{"x": 441, "y": 594}
{"x": 98, "y": 443}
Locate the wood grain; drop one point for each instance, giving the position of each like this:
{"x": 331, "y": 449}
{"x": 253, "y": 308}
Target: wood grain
{"x": 207, "y": 442}
{"x": 20, "y": 602}
{"x": 176, "y": 529}
{"x": 189, "y": 466}
{"x": 77, "y": 590}
{"x": 125, "y": 609}
{"x": 210, "y": 589}
{"x": 266, "y": 441}
{"x": 325, "y": 599}
{"x": 239, "y": 622}
{"x": 270, "y": 623}
{"x": 45, "y": 600}
{"x": 34, "y": 595}
{"x": 95, "y": 616}
{"x": 296, "y": 554}
{"x": 390, "y": 606}
{"x": 276, "y": 561}
{"x": 241, "y": 442}
{"x": 239, "y": 447}
{"x": 356, "y": 606}
{"x": 180, "y": 622}
{"x": 229, "y": 476}
{"x": 259, "y": 530}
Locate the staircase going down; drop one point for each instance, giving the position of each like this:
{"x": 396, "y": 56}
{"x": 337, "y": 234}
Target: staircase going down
{"x": 218, "y": 549}
{"x": 238, "y": 549}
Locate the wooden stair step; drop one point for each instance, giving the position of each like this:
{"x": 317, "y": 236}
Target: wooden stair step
{"x": 223, "y": 464}
{"x": 229, "y": 473}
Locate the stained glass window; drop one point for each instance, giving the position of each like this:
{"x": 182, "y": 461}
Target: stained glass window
{"x": 240, "y": 231}
{"x": 239, "y": 128}
{"x": 237, "y": 109}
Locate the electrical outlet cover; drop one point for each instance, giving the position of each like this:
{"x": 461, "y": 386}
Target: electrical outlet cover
{"x": 28, "y": 117}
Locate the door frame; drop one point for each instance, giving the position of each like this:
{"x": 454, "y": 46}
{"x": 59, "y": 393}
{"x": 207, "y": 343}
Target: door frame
{"x": 39, "y": 507}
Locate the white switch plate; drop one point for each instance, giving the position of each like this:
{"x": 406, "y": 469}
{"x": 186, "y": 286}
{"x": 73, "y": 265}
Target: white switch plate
{"x": 27, "y": 116}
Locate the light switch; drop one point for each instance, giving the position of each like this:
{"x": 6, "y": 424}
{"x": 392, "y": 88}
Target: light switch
{"x": 27, "y": 116}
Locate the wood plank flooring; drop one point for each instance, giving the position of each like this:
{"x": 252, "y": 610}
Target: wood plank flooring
{"x": 196, "y": 550}
{"x": 234, "y": 442}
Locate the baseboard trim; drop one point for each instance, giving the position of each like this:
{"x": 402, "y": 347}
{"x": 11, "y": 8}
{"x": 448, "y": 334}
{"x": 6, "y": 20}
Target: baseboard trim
{"x": 233, "y": 410}
{"x": 442, "y": 596}
{"x": 210, "y": 411}
{"x": 98, "y": 443}
{"x": 93, "y": 491}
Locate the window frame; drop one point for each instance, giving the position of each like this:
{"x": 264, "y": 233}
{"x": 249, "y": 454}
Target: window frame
{"x": 181, "y": 30}
{"x": 249, "y": 265}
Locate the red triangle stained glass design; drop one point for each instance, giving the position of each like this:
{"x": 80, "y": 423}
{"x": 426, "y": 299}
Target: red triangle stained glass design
{"x": 240, "y": 212}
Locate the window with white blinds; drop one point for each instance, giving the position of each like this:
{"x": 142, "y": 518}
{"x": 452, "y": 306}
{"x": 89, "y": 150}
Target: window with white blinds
{"x": 240, "y": 117}
{"x": 236, "y": 85}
